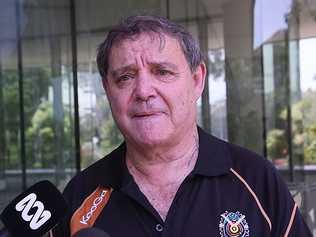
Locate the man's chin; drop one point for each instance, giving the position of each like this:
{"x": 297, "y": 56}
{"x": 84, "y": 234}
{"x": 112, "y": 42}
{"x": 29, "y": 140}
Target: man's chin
{"x": 151, "y": 139}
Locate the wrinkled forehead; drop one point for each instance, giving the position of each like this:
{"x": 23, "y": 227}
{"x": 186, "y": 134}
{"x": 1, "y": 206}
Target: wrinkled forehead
{"x": 150, "y": 41}
{"x": 154, "y": 38}
{"x": 151, "y": 44}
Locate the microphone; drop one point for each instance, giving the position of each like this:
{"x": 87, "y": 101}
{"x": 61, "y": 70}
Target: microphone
{"x": 91, "y": 232}
{"x": 34, "y": 212}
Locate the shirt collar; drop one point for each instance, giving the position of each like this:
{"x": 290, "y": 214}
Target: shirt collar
{"x": 113, "y": 171}
{"x": 214, "y": 157}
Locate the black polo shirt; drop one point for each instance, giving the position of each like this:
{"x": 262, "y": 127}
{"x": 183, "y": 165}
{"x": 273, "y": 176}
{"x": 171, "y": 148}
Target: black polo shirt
{"x": 230, "y": 192}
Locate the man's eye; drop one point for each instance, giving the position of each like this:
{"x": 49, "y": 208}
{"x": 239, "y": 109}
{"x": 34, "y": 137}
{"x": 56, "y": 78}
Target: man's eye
{"x": 125, "y": 77}
{"x": 162, "y": 72}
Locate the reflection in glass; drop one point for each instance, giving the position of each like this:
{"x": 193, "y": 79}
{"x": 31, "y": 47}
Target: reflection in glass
{"x": 42, "y": 63}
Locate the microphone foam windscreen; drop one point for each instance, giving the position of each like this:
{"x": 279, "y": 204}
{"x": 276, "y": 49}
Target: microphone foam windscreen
{"x": 35, "y": 211}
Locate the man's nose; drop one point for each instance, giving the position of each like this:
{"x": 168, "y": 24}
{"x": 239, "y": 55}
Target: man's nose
{"x": 144, "y": 88}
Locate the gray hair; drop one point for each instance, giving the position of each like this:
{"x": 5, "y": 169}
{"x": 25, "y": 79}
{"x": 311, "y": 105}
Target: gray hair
{"x": 135, "y": 25}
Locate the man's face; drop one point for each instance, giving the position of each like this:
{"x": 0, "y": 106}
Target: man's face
{"x": 152, "y": 91}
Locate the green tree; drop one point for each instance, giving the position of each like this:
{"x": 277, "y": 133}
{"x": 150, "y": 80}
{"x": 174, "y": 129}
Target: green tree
{"x": 303, "y": 132}
{"x": 276, "y": 144}
{"x": 41, "y": 136}
{"x": 36, "y": 83}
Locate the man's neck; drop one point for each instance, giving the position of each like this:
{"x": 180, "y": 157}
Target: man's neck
{"x": 159, "y": 174}
{"x": 162, "y": 167}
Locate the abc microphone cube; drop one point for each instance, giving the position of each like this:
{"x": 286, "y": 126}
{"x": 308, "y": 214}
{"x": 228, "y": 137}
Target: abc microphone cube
{"x": 34, "y": 212}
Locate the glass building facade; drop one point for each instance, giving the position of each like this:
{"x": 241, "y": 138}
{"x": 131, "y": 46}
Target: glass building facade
{"x": 260, "y": 90}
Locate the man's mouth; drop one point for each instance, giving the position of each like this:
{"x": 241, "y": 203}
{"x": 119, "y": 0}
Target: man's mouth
{"x": 146, "y": 114}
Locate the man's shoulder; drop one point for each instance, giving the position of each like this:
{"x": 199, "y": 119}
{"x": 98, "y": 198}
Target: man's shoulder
{"x": 248, "y": 164}
{"x": 254, "y": 169}
{"x": 241, "y": 158}
{"x": 254, "y": 172}
{"x": 257, "y": 176}
{"x": 246, "y": 159}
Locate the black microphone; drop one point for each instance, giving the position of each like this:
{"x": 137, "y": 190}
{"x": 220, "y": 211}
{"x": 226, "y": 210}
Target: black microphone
{"x": 34, "y": 212}
{"x": 91, "y": 232}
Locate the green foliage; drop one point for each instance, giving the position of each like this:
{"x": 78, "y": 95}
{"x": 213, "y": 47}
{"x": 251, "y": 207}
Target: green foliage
{"x": 35, "y": 86}
{"x": 40, "y": 127}
{"x": 300, "y": 112}
{"x": 42, "y": 138}
{"x": 276, "y": 144}
{"x": 303, "y": 115}
{"x": 310, "y": 153}
{"x": 310, "y": 147}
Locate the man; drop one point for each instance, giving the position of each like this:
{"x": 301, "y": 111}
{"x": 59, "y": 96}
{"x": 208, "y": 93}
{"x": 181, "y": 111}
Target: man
{"x": 170, "y": 178}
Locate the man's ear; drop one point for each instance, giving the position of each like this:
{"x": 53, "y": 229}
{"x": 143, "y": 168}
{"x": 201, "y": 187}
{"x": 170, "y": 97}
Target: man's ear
{"x": 199, "y": 76}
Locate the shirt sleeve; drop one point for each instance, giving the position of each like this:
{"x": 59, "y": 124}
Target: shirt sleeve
{"x": 297, "y": 226}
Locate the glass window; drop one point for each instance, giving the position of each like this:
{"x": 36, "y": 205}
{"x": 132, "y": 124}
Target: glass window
{"x": 10, "y": 159}
{"x": 36, "y": 94}
{"x": 260, "y": 90}
{"x": 48, "y": 96}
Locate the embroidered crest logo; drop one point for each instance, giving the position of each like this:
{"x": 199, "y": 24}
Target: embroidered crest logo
{"x": 233, "y": 224}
